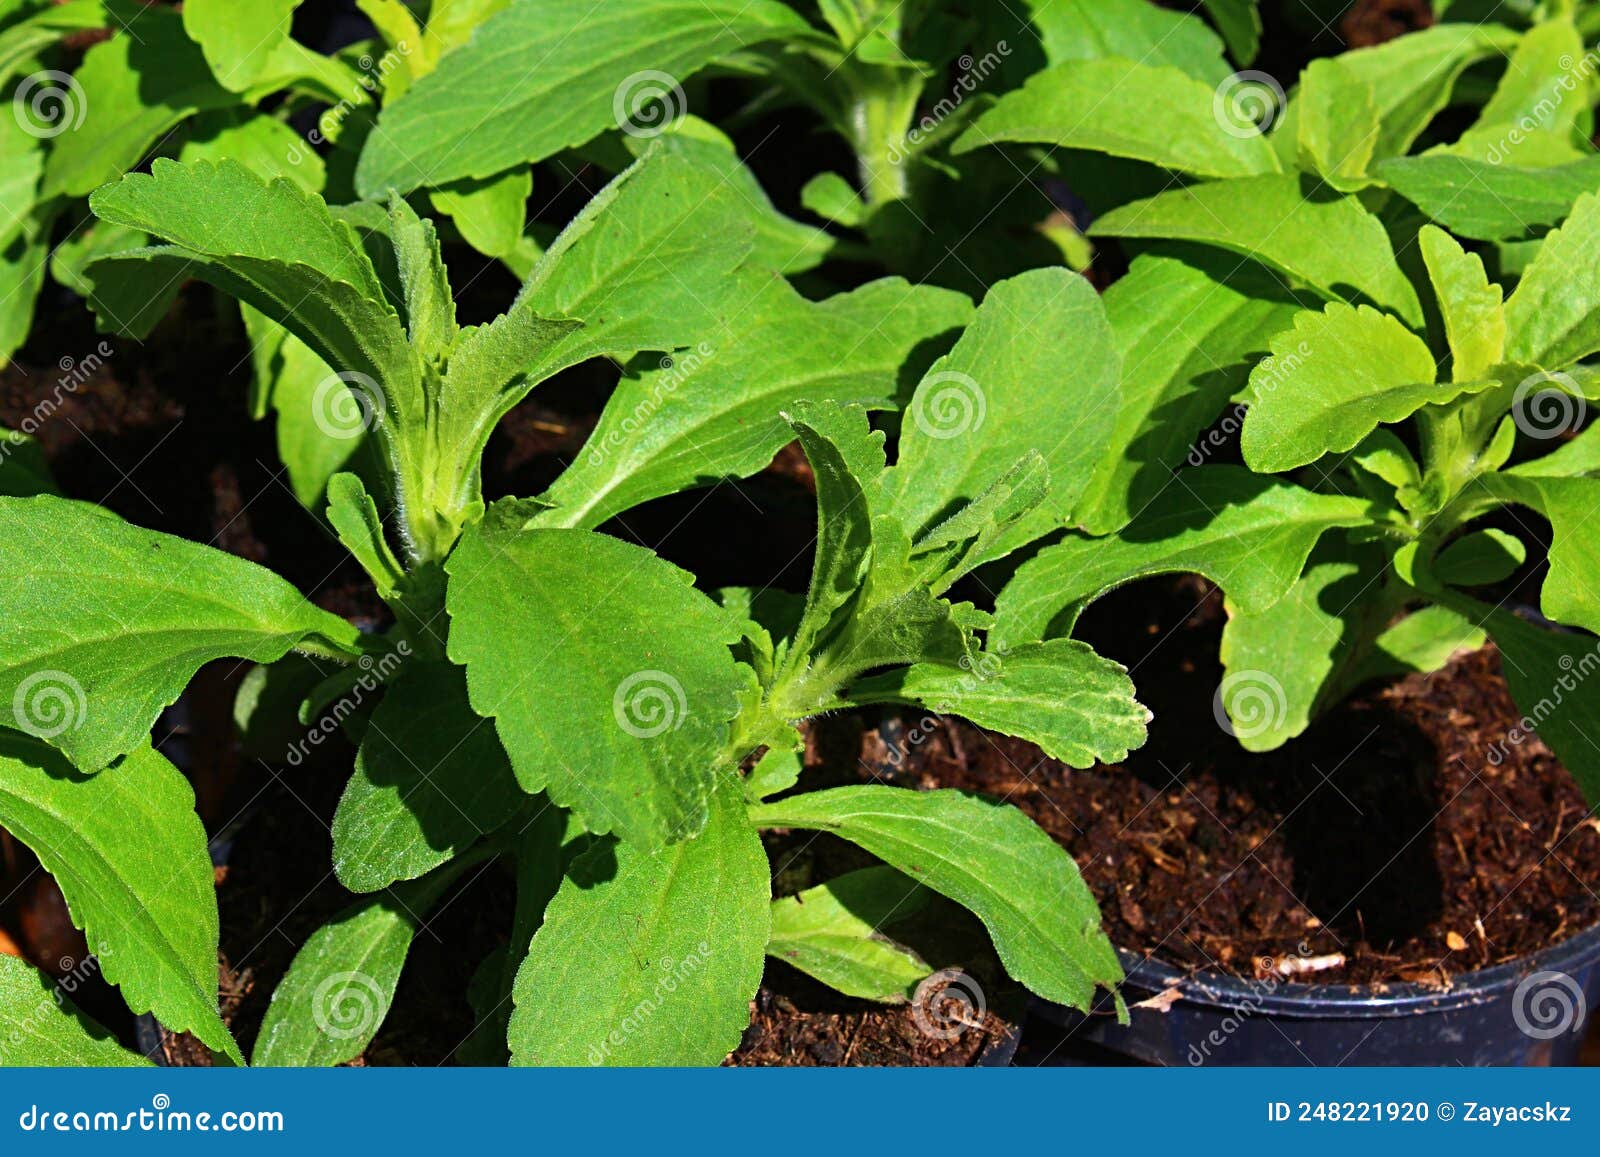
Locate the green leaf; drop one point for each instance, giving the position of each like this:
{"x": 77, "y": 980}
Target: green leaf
{"x": 997, "y": 395}
{"x": 594, "y": 68}
{"x": 22, "y": 266}
{"x": 102, "y": 624}
{"x": 1332, "y": 380}
{"x": 1078, "y": 707}
{"x": 833, "y": 932}
{"x": 430, "y": 780}
{"x": 618, "y": 704}
{"x": 1568, "y": 595}
{"x": 863, "y": 559}
{"x": 40, "y": 1027}
{"x": 1239, "y": 21}
{"x": 1283, "y": 663}
{"x": 1337, "y": 122}
{"x": 1551, "y": 676}
{"x": 131, "y": 89}
{"x": 1483, "y": 556}
{"x": 1474, "y": 315}
{"x": 1489, "y": 202}
{"x": 1171, "y": 123}
{"x": 649, "y": 957}
{"x": 1172, "y": 390}
{"x": 778, "y": 770}
{"x": 489, "y": 211}
{"x": 24, "y": 40}
{"x": 969, "y": 537}
{"x": 130, "y": 856}
{"x": 987, "y": 857}
{"x": 1553, "y": 318}
{"x": 23, "y": 472}
{"x": 238, "y": 36}
{"x": 781, "y": 243}
{"x": 715, "y": 411}
{"x": 430, "y": 308}
{"x": 70, "y": 259}
{"x": 835, "y": 199}
{"x": 1332, "y": 244}
{"x": 1412, "y": 76}
{"x": 1384, "y": 455}
{"x": 1249, "y": 534}
{"x": 263, "y": 144}
{"x": 1134, "y": 29}
{"x": 337, "y": 992}
{"x": 847, "y": 464}
{"x": 1423, "y": 641}
{"x": 320, "y": 424}
{"x": 355, "y": 518}
{"x": 1532, "y": 96}
{"x": 277, "y": 248}
{"x": 23, "y": 157}
{"x": 412, "y": 53}
{"x": 544, "y": 849}
{"x": 452, "y": 22}
{"x": 649, "y": 264}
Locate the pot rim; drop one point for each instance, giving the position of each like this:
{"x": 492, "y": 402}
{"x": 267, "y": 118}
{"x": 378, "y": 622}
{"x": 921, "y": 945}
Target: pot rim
{"x": 1345, "y": 1001}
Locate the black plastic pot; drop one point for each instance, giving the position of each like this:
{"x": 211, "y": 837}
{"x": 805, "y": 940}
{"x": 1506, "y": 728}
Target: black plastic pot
{"x": 1528, "y": 1012}
{"x": 1000, "y": 1052}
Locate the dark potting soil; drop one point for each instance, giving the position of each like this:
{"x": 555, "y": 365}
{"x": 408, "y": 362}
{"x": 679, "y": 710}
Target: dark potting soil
{"x": 797, "y": 1022}
{"x": 1384, "y": 839}
{"x": 1372, "y": 22}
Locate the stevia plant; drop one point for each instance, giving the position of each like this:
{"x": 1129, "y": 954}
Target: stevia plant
{"x": 553, "y": 698}
{"x": 215, "y": 79}
{"x": 1328, "y": 185}
{"x": 894, "y": 82}
{"x": 1353, "y": 546}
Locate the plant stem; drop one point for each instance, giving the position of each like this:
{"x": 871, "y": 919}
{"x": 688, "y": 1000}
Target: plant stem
{"x": 880, "y": 119}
